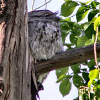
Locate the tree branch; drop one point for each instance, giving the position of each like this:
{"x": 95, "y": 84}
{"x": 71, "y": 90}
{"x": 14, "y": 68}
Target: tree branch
{"x": 67, "y": 58}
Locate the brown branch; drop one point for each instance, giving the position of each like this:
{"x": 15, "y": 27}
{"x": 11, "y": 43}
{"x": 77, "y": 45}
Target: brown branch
{"x": 67, "y": 58}
{"x": 95, "y": 52}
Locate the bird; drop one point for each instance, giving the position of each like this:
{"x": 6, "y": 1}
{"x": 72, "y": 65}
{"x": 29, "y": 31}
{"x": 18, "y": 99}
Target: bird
{"x": 44, "y": 36}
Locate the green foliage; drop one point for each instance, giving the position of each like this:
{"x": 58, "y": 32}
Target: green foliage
{"x": 68, "y": 7}
{"x": 65, "y": 87}
{"x": 63, "y": 78}
{"x": 83, "y": 93}
{"x": 77, "y": 80}
{"x": 76, "y": 68}
{"x": 81, "y": 41}
{"x": 89, "y": 32}
{"x": 62, "y": 71}
{"x": 61, "y": 74}
{"x": 71, "y": 29}
{"x": 91, "y": 64}
{"x": 94, "y": 74}
{"x": 85, "y": 76}
{"x": 94, "y": 82}
{"x": 75, "y": 34}
{"x": 94, "y": 4}
{"x": 81, "y": 13}
{"x": 92, "y": 14}
{"x": 97, "y": 23}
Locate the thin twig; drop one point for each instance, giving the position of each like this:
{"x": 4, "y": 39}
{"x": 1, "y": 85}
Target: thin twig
{"x": 43, "y": 4}
{"x": 33, "y": 4}
{"x": 95, "y": 52}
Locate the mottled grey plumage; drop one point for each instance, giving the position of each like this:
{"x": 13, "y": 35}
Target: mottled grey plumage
{"x": 44, "y": 34}
{"x": 44, "y": 39}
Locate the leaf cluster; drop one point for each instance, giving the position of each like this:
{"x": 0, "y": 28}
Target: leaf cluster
{"x": 78, "y": 33}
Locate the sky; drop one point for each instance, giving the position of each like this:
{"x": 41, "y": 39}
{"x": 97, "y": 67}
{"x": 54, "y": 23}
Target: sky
{"x": 54, "y": 5}
{"x": 51, "y": 88}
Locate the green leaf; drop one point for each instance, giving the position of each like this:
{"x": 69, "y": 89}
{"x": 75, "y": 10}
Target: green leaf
{"x": 99, "y": 98}
{"x": 96, "y": 83}
{"x": 93, "y": 74}
{"x": 90, "y": 83}
{"x": 73, "y": 38}
{"x": 68, "y": 45}
{"x": 89, "y": 42}
{"x": 68, "y": 7}
{"x": 81, "y": 41}
{"x": 97, "y": 23}
{"x": 62, "y": 71}
{"x": 65, "y": 87}
{"x": 97, "y": 91}
{"x": 85, "y": 76}
{"x": 94, "y": 4}
{"x": 63, "y": 77}
{"x": 81, "y": 13}
{"x": 64, "y": 25}
{"x": 88, "y": 1}
{"x": 92, "y": 14}
{"x": 65, "y": 28}
{"x": 64, "y": 35}
{"x": 67, "y": 19}
{"x": 91, "y": 64}
{"x": 60, "y": 78}
{"x": 76, "y": 68}
{"x": 90, "y": 31}
{"x": 77, "y": 80}
{"x": 67, "y": 0}
{"x": 85, "y": 25}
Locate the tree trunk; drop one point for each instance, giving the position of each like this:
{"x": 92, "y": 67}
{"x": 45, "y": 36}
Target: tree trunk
{"x": 15, "y": 62}
{"x": 14, "y": 50}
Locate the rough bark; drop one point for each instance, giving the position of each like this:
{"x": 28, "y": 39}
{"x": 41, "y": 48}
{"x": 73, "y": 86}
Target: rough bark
{"x": 67, "y": 58}
{"x": 14, "y": 50}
